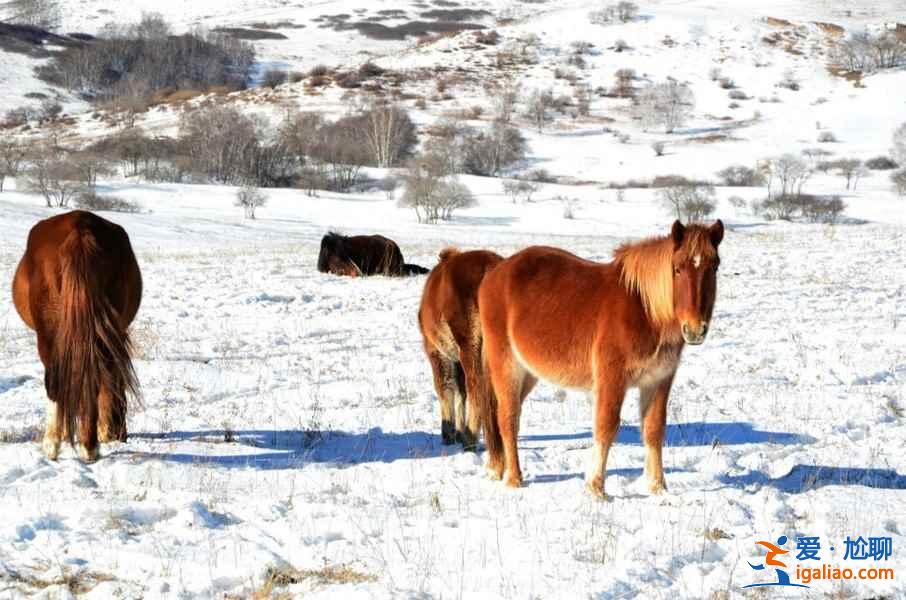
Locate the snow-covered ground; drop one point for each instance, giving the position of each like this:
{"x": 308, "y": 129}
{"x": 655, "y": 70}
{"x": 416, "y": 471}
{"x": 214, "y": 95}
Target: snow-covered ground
{"x": 290, "y": 431}
{"x": 290, "y": 419}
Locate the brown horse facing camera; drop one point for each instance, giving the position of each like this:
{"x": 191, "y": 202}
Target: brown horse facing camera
{"x": 78, "y": 287}
{"x": 451, "y": 331}
{"x": 548, "y": 314}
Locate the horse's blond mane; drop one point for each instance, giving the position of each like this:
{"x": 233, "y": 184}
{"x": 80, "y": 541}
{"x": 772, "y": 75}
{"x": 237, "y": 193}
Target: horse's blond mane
{"x": 646, "y": 268}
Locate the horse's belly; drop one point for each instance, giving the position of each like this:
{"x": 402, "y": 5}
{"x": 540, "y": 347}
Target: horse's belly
{"x": 558, "y": 368}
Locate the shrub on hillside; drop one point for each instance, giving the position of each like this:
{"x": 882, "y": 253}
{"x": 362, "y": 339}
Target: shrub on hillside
{"x": 145, "y": 55}
{"x": 274, "y": 77}
{"x": 689, "y": 200}
{"x": 740, "y": 176}
{"x": 93, "y": 201}
{"x": 881, "y": 163}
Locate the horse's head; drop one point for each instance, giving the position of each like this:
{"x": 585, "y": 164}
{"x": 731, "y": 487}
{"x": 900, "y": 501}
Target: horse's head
{"x": 695, "y": 263}
{"x": 343, "y": 266}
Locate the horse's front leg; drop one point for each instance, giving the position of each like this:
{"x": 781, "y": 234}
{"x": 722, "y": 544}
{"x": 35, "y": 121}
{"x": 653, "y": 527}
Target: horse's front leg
{"x": 610, "y": 389}
{"x": 653, "y": 410}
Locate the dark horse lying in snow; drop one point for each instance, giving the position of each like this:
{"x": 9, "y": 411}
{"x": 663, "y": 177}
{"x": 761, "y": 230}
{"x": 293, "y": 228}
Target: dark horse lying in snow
{"x": 360, "y": 255}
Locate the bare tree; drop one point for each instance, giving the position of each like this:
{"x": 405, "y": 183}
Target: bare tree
{"x": 389, "y": 133}
{"x": 867, "y": 52}
{"x": 91, "y": 165}
{"x": 623, "y": 87}
{"x": 626, "y": 11}
{"x": 792, "y": 173}
{"x": 689, "y": 200}
{"x": 668, "y": 105}
{"x": 504, "y": 96}
{"x": 850, "y": 169}
{"x": 454, "y": 195}
{"x": 489, "y": 152}
{"x": 899, "y": 181}
{"x": 218, "y": 140}
{"x": 45, "y": 14}
{"x": 54, "y": 175}
{"x": 299, "y": 133}
{"x": 388, "y": 185}
{"x": 898, "y": 152}
{"x": 341, "y": 152}
{"x": 12, "y": 159}
{"x": 250, "y": 198}
{"x": 583, "y": 99}
{"x": 537, "y": 106}
{"x": 448, "y": 143}
{"x": 273, "y": 78}
{"x": 740, "y": 176}
{"x": 431, "y": 191}
{"x": 517, "y": 189}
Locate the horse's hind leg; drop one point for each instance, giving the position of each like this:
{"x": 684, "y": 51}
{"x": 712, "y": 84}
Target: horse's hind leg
{"x": 111, "y": 417}
{"x": 52, "y": 434}
{"x": 51, "y": 442}
{"x": 88, "y": 433}
{"x": 464, "y": 433}
{"x": 470, "y": 360}
{"x": 510, "y": 388}
{"x": 444, "y": 385}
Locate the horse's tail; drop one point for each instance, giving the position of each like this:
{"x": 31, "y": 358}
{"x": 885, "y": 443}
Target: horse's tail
{"x": 487, "y": 407}
{"x": 410, "y": 269}
{"x": 90, "y": 350}
{"x": 447, "y": 252}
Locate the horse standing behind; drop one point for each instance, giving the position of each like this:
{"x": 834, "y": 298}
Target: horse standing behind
{"x": 451, "y": 332}
{"x": 548, "y": 314}
{"x": 78, "y": 287}
{"x": 359, "y": 255}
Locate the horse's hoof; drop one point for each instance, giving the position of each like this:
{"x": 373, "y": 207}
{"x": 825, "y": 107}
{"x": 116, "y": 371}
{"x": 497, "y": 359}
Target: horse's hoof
{"x": 88, "y": 456}
{"x": 657, "y": 488}
{"x": 513, "y": 482}
{"x": 51, "y": 449}
{"x": 495, "y": 472}
{"x": 595, "y": 487}
{"x": 469, "y": 442}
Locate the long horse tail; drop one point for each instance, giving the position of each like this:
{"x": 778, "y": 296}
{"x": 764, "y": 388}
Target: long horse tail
{"x": 410, "y": 269}
{"x": 90, "y": 350}
{"x": 487, "y": 407}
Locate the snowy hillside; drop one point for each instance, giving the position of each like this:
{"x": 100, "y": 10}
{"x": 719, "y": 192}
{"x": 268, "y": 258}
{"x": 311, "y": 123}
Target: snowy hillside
{"x": 289, "y": 441}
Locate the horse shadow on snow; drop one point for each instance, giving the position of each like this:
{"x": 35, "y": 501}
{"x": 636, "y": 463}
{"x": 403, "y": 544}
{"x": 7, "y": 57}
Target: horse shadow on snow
{"x": 290, "y": 449}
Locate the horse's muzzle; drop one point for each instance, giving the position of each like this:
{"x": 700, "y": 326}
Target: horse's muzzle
{"x": 695, "y": 336}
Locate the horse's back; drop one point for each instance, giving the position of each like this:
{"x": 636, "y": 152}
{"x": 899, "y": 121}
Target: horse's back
{"x": 545, "y": 304}
{"x": 450, "y": 296}
{"x": 38, "y": 280}
{"x": 544, "y": 272}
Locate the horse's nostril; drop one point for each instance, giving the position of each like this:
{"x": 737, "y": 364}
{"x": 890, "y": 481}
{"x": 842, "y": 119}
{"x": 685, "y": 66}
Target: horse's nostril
{"x": 704, "y": 328}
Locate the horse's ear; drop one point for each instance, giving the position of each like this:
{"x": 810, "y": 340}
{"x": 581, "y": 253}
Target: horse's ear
{"x": 717, "y": 233}
{"x": 677, "y": 233}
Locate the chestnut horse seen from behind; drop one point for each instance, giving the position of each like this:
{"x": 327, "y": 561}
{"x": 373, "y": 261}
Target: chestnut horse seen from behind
{"x": 548, "y": 314}
{"x": 451, "y": 331}
{"x": 78, "y": 287}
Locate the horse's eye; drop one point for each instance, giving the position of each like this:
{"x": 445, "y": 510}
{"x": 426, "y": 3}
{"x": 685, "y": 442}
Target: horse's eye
{"x": 676, "y": 270}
